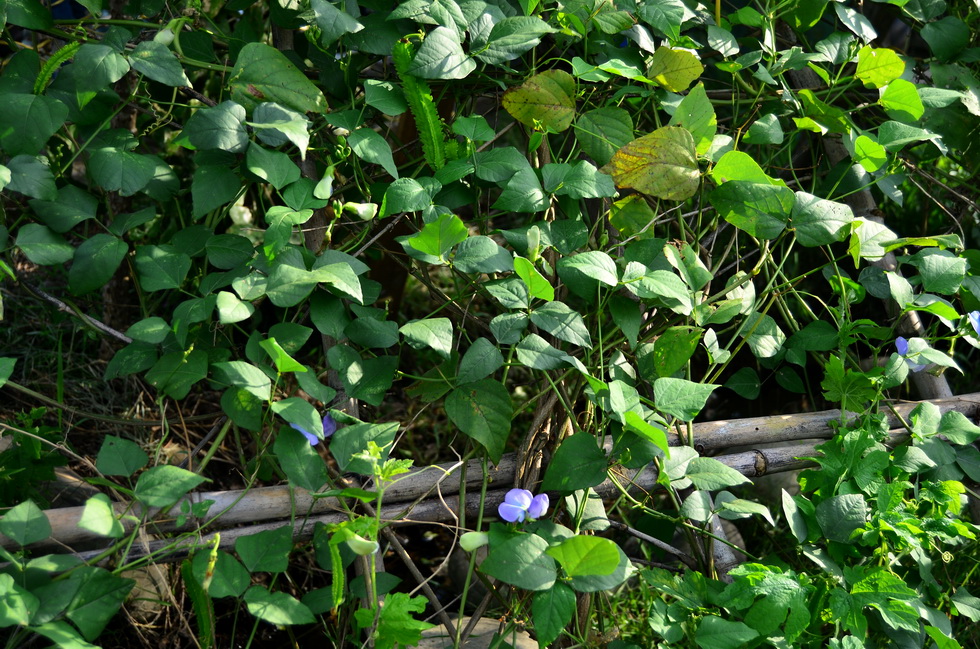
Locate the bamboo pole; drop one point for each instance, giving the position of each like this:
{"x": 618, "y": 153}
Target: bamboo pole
{"x": 419, "y": 495}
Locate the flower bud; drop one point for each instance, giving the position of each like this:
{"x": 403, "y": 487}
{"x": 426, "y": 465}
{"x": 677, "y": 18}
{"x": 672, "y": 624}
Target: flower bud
{"x": 363, "y": 211}
{"x": 473, "y": 540}
{"x": 164, "y": 37}
{"x": 361, "y": 546}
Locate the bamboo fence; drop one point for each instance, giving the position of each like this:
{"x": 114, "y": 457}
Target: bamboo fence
{"x": 432, "y": 494}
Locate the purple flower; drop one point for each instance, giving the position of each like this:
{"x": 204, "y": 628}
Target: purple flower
{"x": 329, "y": 428}
{"x": 902, "y": 345}
{"x": 520, "y": 504}
{"x": 974, "y": 317}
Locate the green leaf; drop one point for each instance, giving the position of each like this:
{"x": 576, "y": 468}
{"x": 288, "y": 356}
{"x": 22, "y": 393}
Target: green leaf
{"x": 121, "y": 457}
{"x": 675, "y": 70}
{"x": 840, "y": 515}
{"x": 42, "y": 246}
{"x": 537, "y": 285}
{"x": 176, "y": 372}
{"x": 578, "y": 463}
{"x": 334, "y": 23}
{"x": 674, "y": 348}
{"x": 229, "y": 578}
{"x": 745, "y": 383}
{"x": 764, "y": 336}
{"x": 586, "y": 555}
{"x": 958, "y": 429}
{"x": 220, "y": 127}
{"x": 709, "y": 474}
{"x": 32, "y": 177}
{"x": 370, "y": 146}
{"x": 697, "y": 506}
{"x": 947, "y": 37}
{"x": 243, "y": 375}
{"x": 435, "y": 333}
{"x": 275, "y": 125}
{"x": 157, "y": 62}
{"x": 483, "y": 411}
{"x": 96, "y": 261}
{"x": 819, "y": 222}
{"x": 636, "y": 424}
{"x": 212, "y": 187}
{"x": 366, "y": 379}
{"x": 98, "y": 598}
{"x": 681, "y": 398}
{"x": 6, "y": 369}
{"x": 603, "y": 131}
{"x": 584, "y": 272}
{"x": 438, "y": 237}
{"x": 30, "y": 14}
{"x": 522, "y": 193}
{"x": 765, "y": 130}
{"x": 545, "y": 101}
{"x": 510, "y": 38}
{"x": 942, "y": 272}
{"x": 161, "y": 267}
{"x": 482, "y": 359}
{"x": 274, "y": 167}
{"x": 878, "y": 67}
{"x": 277, "y": 608}
{"x": 299, "y": 461}
{"x": 118, "y": 169}
{"x": 45, "y": 115}
{"x": 562, "y": 322}
{"x": 263, "y": 73}
{"x": 869, "y": 154}
{"x": 351, "y": 441}
{"x": 60, "y": 632}
{"x": 894, "y": 136}
{"x": 441, "y": 57}
{"x": 98, "y": 517}
{"x": 664, "y": 16}
{"x": 901, "y": 101}
{"x": 396, "y": 624}
{"x": 661, "y": 164}
{"x": 17, "y": 605}
{"x": 227, "y": 251}
{"x": 760, "y": 209}
{"x": 480, "y": 254}
{"x": 696, "y": 114}
{"x": 72, "y": 207}
{"x": 522, "y": 561}
{"x": 405, "y": 195}
{"x": 162, "y": 486}
{"x": 717, "y": 633}
{"x": 551, "y": 612}
{"x": 266, "y": 551}
{"x": 339, "y": 277}
{"x": 25, "y": 524}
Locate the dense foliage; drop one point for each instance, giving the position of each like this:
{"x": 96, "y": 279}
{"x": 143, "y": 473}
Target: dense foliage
{"x": 459, "y": 229}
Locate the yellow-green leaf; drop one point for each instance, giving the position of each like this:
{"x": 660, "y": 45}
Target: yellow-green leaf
{"x": 545, "y": 101}
{"x": 675, "y": 70}
{"x": 879, "y": 66}
{"x": 662, "y": 164}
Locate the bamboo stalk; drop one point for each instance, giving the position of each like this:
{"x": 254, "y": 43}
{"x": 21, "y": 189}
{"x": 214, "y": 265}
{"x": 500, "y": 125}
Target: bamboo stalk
{"x": 429, "y": 485}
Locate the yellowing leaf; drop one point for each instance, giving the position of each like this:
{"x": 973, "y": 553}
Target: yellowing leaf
{"x": 662, "y": 164}
{"x": 675, "y": 70}
{"x": 546, "y": 100}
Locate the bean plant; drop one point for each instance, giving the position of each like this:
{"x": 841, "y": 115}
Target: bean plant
{"x": 550, "y": 236}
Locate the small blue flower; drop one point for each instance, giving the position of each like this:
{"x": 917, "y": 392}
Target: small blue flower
{"x": 902, "y": 345}
{"x": 974, "y": 317}
{"x": 329, "y": 428}
{"x": 520, "y": 504}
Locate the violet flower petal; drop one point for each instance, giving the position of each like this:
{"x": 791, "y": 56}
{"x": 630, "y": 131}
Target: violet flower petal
{"x": 519, "y": 498}
{"x": 313, "y": 439}
{"x": 974, "y": 317}
{"x": 511, "y": 513}
{"x": 902, "y": 345}
{"x": 539, "y": 506}
{"x": 329, "y": 426}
